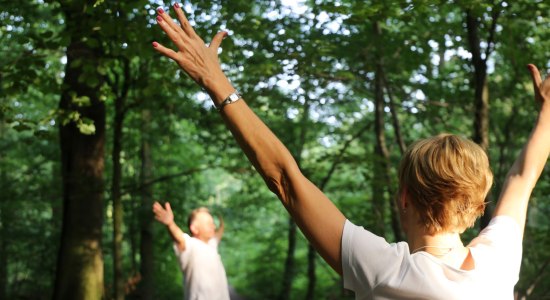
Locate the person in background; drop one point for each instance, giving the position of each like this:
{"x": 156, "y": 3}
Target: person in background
{"x": 443, "y": 183}
{"x": 202, "y": 267}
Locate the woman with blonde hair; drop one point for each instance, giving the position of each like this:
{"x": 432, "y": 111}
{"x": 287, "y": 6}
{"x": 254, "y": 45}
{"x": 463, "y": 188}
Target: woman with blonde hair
{"x": 443, "y": 181}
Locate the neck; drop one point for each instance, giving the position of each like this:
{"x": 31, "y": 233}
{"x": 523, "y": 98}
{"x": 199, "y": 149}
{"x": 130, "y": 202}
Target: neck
{"x": 202, "y": 238}
{"x": 436, "y": 244}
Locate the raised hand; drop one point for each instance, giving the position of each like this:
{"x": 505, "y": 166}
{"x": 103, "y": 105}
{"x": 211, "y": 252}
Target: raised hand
{"x": 541, "y": 88}
{"x": 193, "y": 55}
{"x": 163, "y": 214}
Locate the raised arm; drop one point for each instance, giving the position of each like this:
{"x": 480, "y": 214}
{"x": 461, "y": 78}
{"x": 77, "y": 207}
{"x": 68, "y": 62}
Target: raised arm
{"x": 220, "y": 230}
{"x": 166, "y": 217}
{"x": 315, "y": 214}
{"x": 526, "y": 170}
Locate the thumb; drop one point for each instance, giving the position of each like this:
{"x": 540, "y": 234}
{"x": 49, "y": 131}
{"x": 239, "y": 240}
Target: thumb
{"x": 167, "y": 205}
{"x": 537, "y": 80}
{"x": 217, "y": 40}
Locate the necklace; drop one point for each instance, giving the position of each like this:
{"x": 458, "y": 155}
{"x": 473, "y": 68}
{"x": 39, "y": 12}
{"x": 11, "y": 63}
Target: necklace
{"x": 449, "y": 250}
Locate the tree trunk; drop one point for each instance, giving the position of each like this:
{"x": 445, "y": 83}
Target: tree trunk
{"x": 3, "y": 221}
{"x": 311, "y": 276}
{"x": 118, "y": 275}
{"x": 381, "y": 153}
{"x": 288, "y": 274}
{"x": 380, "y": 182}
{"x": 481, "y": 94}
{"x": 79, "y": 272}
{"x": 146, "y": 287}
{"x": 394, "y": 213}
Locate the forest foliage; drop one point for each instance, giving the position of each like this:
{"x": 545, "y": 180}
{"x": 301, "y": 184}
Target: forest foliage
{"x": 345, "y": 84}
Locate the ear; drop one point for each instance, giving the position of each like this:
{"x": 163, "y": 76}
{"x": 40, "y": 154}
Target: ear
{"x": 194, "y": 230}
{"x": 403, "y": 199}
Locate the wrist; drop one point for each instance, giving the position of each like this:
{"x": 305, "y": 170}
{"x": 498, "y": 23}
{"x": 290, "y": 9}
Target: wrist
{"x": 218, "y": 90}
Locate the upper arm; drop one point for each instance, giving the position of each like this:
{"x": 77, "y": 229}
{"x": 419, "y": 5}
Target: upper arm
{"x": 318, "y": 218}
{"x": 177, "y": 236}
{"x": 220, "y": 230}
{"x": 180, "y": 244}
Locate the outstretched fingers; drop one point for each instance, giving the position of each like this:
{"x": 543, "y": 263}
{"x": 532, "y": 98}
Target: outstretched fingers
{"x": 168, "y": 207}
{"x": 537, "y": 81}
{"x": 184, "y": 23}
{"x": 535, "y": 75}
{"x": 217, "y": 40}
{"x": 171, "y": 29}
{"x": 165, "y": 51}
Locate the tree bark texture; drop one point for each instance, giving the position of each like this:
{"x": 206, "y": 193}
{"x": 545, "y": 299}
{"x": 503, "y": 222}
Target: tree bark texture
{"x": 79, "y": 273}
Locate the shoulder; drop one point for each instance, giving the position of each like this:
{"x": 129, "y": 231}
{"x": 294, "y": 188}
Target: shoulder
{"x": 190, "y": 243}
{"x": 358, "y": 238}
{"x": 498, "y": 248}
{"x": 368, "y": 259}
{"x": 501, "y": 231}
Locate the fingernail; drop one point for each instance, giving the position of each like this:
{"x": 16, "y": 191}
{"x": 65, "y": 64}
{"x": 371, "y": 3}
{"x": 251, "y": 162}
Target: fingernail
{"x": 160, "y": 10}
{"x": 176, "y": 5}
{"x": 159, "y": 19}
{"x": 155, "y": 44}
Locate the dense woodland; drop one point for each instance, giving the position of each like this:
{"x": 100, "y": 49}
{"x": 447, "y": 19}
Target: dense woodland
{"x": 95, "y": 126}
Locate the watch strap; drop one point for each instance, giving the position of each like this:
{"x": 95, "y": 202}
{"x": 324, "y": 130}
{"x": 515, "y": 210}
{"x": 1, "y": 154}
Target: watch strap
{"x": 232, "y": 98}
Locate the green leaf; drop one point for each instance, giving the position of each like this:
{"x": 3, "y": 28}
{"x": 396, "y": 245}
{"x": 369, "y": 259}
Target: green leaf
{"x": 81, "y": 101}
{"x": 86, "y": 126}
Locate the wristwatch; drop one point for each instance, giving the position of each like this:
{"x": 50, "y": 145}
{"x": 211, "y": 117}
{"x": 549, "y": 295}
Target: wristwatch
{"x": 232, "y": 98}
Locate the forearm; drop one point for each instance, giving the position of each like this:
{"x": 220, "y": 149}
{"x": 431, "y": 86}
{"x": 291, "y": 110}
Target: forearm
{"x": 264, "y": 150}
{"x": 525, "y": 172}
{"x": 318, "y": 218}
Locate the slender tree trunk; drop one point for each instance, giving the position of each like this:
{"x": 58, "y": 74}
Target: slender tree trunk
{"x": 79, "y": 272}
{"x": 146, "y": 216}
{"x": 288, "y": 273}
{"x": 121, "y": 87}
{"x": 3, "y": 250}
{"x": 312, "y": 277}
{"x": 3, "y": 221}
{"x": 118, "y": 275}
{"x": 379, "y": 183}
{"x": 381, "y": 153}
{"x": 394, "y": 213}
{"x": 481, "y": 94}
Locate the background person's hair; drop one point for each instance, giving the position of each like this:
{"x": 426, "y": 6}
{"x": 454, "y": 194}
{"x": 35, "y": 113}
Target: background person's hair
{"x": 193, "y": 214}
{"x": 446, "y": 178}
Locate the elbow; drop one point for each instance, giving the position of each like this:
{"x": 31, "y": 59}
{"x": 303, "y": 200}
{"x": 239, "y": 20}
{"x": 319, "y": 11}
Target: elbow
{"x": 280, "y": 181}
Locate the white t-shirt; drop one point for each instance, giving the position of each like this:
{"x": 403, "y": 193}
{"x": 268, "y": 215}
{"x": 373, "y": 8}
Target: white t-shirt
{"x": 375, "y": 269}
{"x": 203, "y": 271}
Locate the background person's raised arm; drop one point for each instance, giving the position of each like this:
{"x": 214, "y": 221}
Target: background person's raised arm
{"x": 525, "y": 172}
{"x": 221, "y": 229}
{"x": 315, "y": 214}
{"x": 165, "y": 216}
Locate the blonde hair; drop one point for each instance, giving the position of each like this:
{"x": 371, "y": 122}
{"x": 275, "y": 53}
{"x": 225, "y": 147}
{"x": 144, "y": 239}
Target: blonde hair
{"x": 446, "y": 178}
{"x": 193, "y": 214}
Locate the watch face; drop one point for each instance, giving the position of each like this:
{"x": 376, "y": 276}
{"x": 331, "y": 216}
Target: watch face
{"x": 233, "y": 97}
